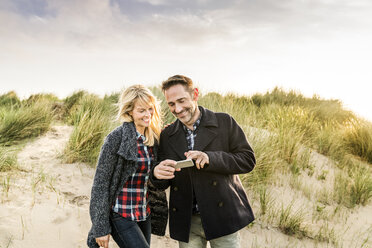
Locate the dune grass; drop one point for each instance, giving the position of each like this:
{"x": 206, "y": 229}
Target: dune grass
{"x": 24, "y": 122}
{"x": 291, "y": 221}
{"x": 8, "y": 160}
{"x": 283, "y": 128}
{"x": 92, "y": 118}
{"x": 357, "y": 136}
{"x": 10, "y": 99}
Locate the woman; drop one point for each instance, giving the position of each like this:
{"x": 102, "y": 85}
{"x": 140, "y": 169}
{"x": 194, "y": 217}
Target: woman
{"x": 122, "y": 197}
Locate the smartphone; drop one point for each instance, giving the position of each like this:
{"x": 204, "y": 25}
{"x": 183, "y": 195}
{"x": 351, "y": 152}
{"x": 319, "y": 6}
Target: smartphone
{"x": 184, "y": 163}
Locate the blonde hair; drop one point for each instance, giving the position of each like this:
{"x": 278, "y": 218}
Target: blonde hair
{"x": 142, "y": 94}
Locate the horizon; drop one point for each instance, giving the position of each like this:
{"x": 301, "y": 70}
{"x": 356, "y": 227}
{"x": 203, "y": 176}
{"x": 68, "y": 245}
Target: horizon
{"x": 100, "y": 94}
{"x": 317, "y": 47}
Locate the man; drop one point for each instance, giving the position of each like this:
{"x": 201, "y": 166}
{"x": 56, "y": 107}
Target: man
{"x": 207, "y": 201}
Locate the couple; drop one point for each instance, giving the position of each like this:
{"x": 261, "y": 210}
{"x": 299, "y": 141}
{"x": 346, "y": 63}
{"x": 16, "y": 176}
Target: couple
{"x": 207, "y": 201}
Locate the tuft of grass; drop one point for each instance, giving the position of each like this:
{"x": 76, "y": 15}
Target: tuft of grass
{"x": 266, "y": 200}
{"x": 354, "y": 188}
{"x": 268, "y": 159}
{"x": 9, "y": 99}
{"x": 327, "y": 234}
{"x": 328, "y": 141}
{"x": 8, "y": 159}
{"x": 167, "y": 117}
{"x": 361, "y": 187}
{"x": 6, "y": 185}
{"x": 92, "y": 118}
{"x": 90, "y": 105}
{"x": 70, "y": 101}
{"x": 291, "y": 222}
{"x": 43, "y": 97}
{"x": 358, "y": 138}
{"x": 25, "y": 122}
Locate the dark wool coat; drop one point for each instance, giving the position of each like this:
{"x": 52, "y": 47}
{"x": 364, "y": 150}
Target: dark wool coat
{"x": 117, "y": 162}
{"x": 223, "y": 204}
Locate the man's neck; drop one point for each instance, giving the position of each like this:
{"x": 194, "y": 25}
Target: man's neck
{"x": 196, "y": 117}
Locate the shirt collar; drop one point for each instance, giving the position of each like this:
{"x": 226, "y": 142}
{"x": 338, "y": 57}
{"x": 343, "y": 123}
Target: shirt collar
{"x": 195, "y": 125}
{"x": 139, "y": 135}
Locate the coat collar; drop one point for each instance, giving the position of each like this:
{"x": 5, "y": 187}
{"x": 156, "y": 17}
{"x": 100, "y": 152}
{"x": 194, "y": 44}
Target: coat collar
{"x": 128, "y": 144}
{"x": 208, "y": 120}
{"x": 205, "y": 134}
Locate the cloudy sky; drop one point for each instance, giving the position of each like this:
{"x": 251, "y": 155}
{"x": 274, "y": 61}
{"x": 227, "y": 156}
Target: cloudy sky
{"x": 318, "y": 47}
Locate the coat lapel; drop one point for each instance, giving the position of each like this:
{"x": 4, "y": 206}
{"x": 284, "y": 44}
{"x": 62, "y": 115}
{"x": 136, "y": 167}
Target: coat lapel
{"x": 205, "y": 134}
{"x": 207, "y": 129}
{"x": 177, "y": 140}
{"x": 128, "y": 145}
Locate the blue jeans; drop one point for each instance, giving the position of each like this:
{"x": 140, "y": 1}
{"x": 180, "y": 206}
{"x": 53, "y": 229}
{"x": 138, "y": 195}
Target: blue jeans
{"x": 130, "y": 234}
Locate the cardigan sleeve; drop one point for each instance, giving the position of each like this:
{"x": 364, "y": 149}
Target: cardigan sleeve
{"x": 238, "y": 159}
{"x": 99, "y": 204}
{"x": 161, "y": 184}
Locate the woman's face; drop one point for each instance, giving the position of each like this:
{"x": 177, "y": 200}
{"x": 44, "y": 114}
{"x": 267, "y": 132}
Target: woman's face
{"x": 142, "y": 115}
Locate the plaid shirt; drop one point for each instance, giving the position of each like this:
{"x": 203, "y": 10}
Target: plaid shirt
{"x": 190, "y": 137}
{"x": 131, "y": 203}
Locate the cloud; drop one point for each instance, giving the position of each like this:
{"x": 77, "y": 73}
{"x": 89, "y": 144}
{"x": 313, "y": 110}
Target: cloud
{"x": 182, "y": 24}
{"x": 82, "y": 43}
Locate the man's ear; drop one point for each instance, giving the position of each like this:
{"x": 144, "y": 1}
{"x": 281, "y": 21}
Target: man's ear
{"x": 195, "y": 96}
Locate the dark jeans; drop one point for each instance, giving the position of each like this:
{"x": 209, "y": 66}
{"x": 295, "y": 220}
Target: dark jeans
{"x": 130, "y": 234}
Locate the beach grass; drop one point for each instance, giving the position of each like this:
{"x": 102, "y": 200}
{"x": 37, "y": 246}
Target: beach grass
{"x": 285, "y": 129}
{"x": 24, "y": 122}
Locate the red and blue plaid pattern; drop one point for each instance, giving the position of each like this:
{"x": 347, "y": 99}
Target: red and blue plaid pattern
{"x": 131, "y": 203}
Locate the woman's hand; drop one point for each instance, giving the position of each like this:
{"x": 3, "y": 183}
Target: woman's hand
{"x": 103, "y": 241}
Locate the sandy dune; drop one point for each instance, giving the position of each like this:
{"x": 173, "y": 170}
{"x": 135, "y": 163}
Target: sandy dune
{"x": 47, "y": 204}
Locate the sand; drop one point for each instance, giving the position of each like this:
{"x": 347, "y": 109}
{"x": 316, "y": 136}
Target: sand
{"x": 48, "y": 200}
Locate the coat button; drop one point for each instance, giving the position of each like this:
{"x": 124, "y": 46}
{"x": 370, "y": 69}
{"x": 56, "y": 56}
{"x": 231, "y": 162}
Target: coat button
{"x": 174, "y": 209}
{"x": 220, "y": 204}
{"x": 175, "y": 188}
{"x": 214, "y": 183}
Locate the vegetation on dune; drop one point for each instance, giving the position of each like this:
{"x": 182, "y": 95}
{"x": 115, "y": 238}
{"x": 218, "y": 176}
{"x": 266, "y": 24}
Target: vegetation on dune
{"x": 92, "y": 118}
{"x": 28, "y": 120}
{"x": 284, "y": 128}
{"x": 9, "y": 99}
{"x": 8, "y": 159}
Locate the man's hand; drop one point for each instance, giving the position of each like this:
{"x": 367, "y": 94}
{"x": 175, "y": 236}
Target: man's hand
{"x": 103, "y": 241}
{"x": 165, "y": 170}
{"x": 200, "y": 158}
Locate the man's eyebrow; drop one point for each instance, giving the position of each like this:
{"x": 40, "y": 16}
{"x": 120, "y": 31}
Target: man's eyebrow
{"x": 182, "y": 98}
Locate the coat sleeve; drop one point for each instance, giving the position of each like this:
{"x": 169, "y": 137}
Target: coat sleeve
{"x": 99, "y": 204}
{"x": 238, "y": 159}
{"x": 161, "y": 184}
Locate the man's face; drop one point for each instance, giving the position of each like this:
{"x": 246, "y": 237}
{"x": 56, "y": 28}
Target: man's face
{"x": 182, "y": 103}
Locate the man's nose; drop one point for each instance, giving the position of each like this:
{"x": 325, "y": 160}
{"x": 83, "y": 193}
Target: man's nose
{"x": 178, "y": 108}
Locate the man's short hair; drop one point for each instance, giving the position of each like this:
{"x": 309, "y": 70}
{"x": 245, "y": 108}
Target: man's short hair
{"x": 178, "y": 79}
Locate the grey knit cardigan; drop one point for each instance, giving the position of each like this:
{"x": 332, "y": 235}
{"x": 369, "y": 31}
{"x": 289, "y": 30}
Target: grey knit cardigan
{"x": 117, "y": 162}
